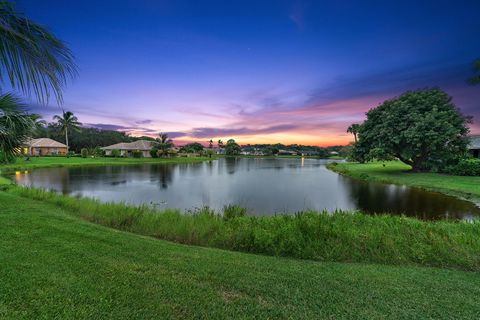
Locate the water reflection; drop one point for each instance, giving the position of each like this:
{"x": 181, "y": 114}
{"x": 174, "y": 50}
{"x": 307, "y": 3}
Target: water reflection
{"x": 263, "y": 186}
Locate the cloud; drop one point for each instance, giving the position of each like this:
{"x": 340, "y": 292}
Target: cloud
{"x": 128, "y": 129}
{"x": 176, "y": 134}
{"x": 143, "y": 121}
{"x": 222, "y": 132}
{"x": 104, "y": 126}
{"x": 391, "y": 82}
{"x": 344, "y": 101}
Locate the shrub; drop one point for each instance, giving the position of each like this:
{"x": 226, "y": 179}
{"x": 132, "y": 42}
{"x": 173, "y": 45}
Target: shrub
{"x": 84, "y": 152}
{"x": 154, "y": 152}
{"x": 137, "y": 154}
{"x": 233, "y": 211}
{"x": 115, "y": 153}
{"x": 466, "y": 167}
{"x": 98, "y": 152}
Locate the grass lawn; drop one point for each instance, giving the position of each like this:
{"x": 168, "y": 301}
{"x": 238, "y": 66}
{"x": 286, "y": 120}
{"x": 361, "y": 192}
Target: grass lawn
{"x": 54, "y": 265}
{"x": 43, "y": 162}
{"x": 398, "y": 173}
{"x": 4, "y": 180}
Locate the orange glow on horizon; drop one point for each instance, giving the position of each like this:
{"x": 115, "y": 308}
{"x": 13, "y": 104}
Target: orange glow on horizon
{"x": 286, "y": 139}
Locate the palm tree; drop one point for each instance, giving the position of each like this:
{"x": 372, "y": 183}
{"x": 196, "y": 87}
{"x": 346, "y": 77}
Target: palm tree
{"x": 210, "y": 144}
{"x": 353, "y": 129}
{"x": 220, "y": 144}
{"x": 475, "y": 79}
{"x": 32, "y": 58}
{"x": 164, "y": 143}
{"x": 15, "y": 127}
{"x": 38, "y": 122}
{"x": 163, "y": 138}
{"x": 67, "y": 121}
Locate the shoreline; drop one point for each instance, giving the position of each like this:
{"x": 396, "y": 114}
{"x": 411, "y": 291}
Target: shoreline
{"x": 397, "y": 173}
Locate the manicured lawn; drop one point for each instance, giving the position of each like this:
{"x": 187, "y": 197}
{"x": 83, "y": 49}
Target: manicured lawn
{"x": 42, "y": 162}
{"x": 54, "y": 265}
{"x": 398, "y": 173}
{"x": 4, "y": 180}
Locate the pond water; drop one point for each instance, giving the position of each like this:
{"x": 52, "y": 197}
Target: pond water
{"x": 263, "y": 186}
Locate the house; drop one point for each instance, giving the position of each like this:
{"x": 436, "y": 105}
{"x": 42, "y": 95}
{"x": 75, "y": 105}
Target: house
{"x": 287, "y": 153}
{"x": 128, "y": 148}
{"x": 44, "y": 147}
{"x": 474, "y": 146}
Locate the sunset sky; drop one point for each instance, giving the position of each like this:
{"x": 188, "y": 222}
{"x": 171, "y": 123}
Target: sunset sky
{"x": 257, "y": 71}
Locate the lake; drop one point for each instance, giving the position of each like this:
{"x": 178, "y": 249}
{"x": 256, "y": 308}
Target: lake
{"x": 263, "y": 186}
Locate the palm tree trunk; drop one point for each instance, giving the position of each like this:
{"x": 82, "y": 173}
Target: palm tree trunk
{"x": 66, "y": 137}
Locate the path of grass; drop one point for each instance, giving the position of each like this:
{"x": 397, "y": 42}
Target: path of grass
{"x": 399, "y": 173}
{"x": 54, "y": 265}
{"x": 45, "y": 162}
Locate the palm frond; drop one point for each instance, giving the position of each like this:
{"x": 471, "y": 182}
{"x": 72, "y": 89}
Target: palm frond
{"x": 31, "y": 57}
{"x": 15, "y": 126}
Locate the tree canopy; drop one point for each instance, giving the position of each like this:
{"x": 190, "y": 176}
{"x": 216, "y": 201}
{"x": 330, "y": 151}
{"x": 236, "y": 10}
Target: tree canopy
{"x": 194, "y": 147}
{"x": 421, "y": 128}
{"x": 232, "y": 148}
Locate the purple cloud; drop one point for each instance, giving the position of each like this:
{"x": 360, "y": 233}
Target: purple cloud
{"x": 222, "y": 132}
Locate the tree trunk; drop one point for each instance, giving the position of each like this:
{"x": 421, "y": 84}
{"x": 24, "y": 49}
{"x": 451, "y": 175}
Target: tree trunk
{"x": 66, "y": 138}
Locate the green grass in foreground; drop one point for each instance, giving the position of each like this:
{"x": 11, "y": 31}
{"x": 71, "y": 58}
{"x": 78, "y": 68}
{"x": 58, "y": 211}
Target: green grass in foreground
{"x": 398, "y": 173}
{"x": 4, "y": 180}
{"x": 45, "y": 162}
{"x": 54, "y": 265}
{"x": 342, "y": 237}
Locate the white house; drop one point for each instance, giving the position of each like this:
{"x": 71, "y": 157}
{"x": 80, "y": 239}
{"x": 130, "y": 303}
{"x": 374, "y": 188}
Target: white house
{"x": 128, "y": 148}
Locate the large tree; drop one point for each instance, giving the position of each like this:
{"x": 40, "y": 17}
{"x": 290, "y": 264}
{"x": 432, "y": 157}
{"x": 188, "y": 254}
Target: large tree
{"x": 194, "y": 147}
{"x": 67, "y": 121}
{"x": 232, "y": 148}
{"x": 421, "y": 128}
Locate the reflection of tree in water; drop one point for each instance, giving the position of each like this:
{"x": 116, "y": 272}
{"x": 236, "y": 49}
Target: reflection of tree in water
{"x": 382, "y": 198}
{"x": 64, "y": 175}
{"x": 164, "y": 174}
{"x": 209, "y": 166}
{"x": 230, "y": 164}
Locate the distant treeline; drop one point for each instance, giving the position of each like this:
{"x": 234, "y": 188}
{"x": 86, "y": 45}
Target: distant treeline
{"x": 271, "y": 149}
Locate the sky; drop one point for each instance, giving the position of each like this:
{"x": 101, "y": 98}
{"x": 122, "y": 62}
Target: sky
{"x": 257, "y": 71}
